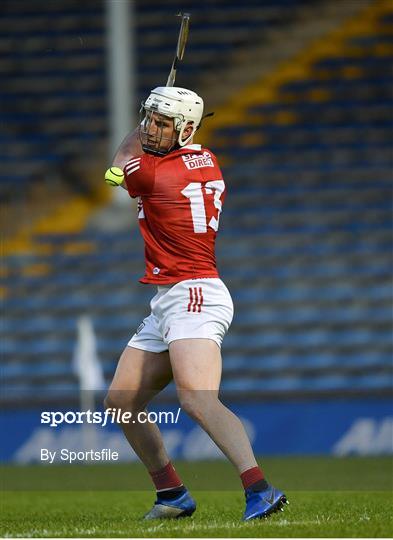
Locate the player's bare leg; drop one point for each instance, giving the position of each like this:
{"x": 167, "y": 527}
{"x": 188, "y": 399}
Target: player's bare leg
{"x": 196, "y": 366}
{"x": 139, "y": 376}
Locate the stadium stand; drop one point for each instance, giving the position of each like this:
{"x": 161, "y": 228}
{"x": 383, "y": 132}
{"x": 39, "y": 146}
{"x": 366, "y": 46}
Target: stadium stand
{"x": 305, "y": 242}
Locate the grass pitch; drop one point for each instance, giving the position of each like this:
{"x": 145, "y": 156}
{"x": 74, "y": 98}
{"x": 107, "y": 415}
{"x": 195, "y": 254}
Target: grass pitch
{"x": 328, "y": 498}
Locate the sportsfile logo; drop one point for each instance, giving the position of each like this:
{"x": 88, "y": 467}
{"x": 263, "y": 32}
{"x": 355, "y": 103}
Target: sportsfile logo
{"x": 109, "y": 416}
{"x": 197, "y": 161}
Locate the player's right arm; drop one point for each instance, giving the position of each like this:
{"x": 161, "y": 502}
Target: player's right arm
{"x": 128, "y": 149}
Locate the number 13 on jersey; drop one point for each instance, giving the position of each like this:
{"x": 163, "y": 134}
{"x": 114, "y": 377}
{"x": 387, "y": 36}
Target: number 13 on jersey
{"x": 194, "y": 192}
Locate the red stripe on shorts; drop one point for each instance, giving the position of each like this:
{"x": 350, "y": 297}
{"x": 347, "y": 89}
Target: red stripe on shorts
{"x": 191, "y": 300}
{"x": 200, "y": 300}
{"x": 196, "y": 301}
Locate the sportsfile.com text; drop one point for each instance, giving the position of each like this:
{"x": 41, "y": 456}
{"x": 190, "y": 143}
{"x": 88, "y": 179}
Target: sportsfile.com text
{"x": 109, "y": 416}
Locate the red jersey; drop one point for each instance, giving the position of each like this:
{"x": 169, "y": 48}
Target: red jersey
{"x": 180, "y": 201}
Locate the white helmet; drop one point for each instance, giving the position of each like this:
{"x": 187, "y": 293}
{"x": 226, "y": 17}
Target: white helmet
{"x": 183, "y": 105}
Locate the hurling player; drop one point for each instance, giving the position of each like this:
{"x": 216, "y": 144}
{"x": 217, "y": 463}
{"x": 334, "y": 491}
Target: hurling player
{"x": 180, "y": 193}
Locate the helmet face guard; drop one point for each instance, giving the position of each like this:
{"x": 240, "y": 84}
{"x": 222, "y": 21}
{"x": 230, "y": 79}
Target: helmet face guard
{"x": 152, "y": 139}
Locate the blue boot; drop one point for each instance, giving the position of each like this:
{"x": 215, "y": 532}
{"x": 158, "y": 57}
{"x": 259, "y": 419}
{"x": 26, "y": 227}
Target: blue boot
{"x": 261, "y": 504}
{"x": 182, "y": 506}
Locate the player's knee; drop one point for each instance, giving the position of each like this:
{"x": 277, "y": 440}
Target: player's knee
{"x": 119, "y": 400}
{"x": 126, "y": 400}
{"x": 193, "y": 404}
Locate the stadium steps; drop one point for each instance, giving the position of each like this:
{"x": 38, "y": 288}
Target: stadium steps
{"x": 68, "y": 216}
{"x": 298, "y": 67}
{"x": 278, "y": 46}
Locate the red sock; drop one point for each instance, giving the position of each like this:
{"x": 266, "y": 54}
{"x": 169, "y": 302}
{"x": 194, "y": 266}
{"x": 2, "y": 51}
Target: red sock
{"x": 166, "y": 478}
{"x": 251, "y": 476}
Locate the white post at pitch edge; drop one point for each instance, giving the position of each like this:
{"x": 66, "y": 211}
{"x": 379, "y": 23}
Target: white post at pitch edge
{"x": 120, "y": 23}
{"x": 87, "y": 367}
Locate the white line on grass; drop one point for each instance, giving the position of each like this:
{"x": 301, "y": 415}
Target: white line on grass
{"x": 181, "y": 526}
{"x": 232, "y": 524}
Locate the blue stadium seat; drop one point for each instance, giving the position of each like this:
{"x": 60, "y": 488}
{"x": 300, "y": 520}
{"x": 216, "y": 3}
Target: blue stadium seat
{"x": 305, "y": 245}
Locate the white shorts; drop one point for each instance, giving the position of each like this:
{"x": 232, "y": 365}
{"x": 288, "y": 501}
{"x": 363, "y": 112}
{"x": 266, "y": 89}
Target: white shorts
{"x": 194, "y": 308}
